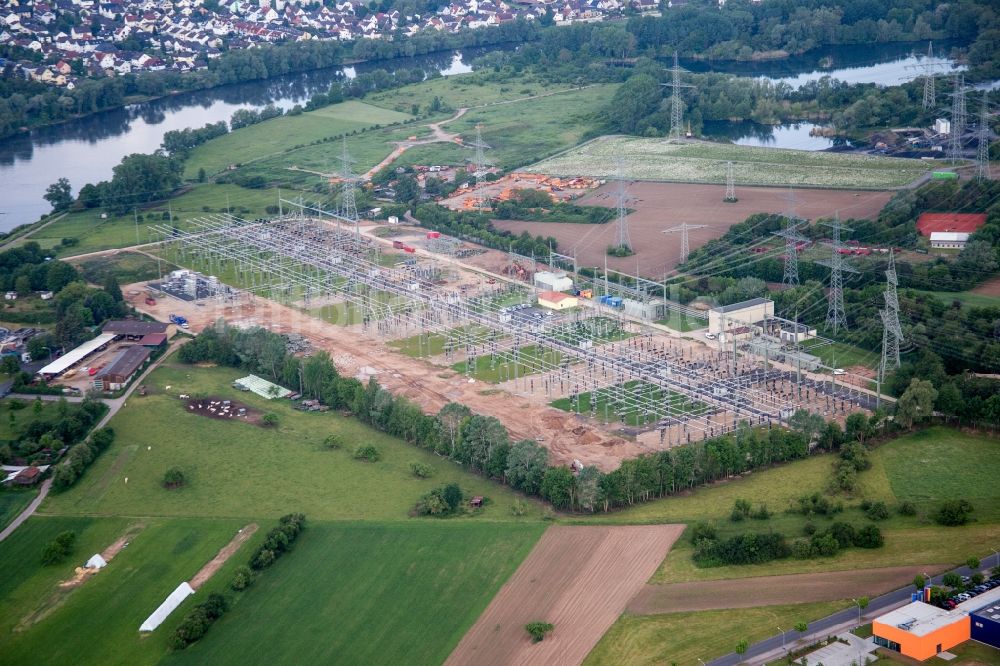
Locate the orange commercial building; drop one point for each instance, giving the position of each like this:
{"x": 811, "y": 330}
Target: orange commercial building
{"x": 920, "y": 631}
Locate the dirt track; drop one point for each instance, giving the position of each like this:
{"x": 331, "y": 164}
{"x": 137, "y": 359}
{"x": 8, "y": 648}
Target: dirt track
{"x": 659, "y": 206}
{"x": 773, "y": 590}
{"x": 577, "y": 578}
{"x": 224, "y": 554}
{"x": 989, "y": 288}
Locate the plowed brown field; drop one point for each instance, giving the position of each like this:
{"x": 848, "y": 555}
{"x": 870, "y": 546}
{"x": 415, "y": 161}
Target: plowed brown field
{"x": 659, "y": 206}
{"x": 577, "y": 578}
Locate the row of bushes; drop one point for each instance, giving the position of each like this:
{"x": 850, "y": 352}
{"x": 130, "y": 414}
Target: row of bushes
{"x": 760, "y": 547}
{"x": 80, "y": 458}
{"x": 196, "y": 623}
{"x": 278, "y": 541}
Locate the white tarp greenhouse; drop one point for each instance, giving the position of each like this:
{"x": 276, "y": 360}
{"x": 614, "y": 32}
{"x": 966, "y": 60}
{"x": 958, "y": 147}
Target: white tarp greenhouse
{"x": 168, "y": 606}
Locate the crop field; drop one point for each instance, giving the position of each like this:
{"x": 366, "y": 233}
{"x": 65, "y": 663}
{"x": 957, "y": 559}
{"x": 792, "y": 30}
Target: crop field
{"x": 96, "y": 234}
{"x": 369, "y": 593}
{"x": 41, "y": 622}
{"x": 280, "y": 134}
{"x": 241, "y": 470}
{"x": 606, "y": 408}
{"x": 703, "y": 162}
{"x": 684, "y": 638}
{"x": 659, "y": 206}
{"x": 577, "y": 578}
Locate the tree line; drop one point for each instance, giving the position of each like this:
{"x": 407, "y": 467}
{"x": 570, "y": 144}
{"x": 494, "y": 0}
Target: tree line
{"x": 483, "y": 445}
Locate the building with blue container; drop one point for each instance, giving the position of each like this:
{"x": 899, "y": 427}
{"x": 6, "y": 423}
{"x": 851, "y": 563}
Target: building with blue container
{"x": 986, "y": 625}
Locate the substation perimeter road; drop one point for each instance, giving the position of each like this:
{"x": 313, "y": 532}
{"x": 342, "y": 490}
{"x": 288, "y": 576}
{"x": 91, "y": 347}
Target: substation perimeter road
{"x": 772, "y": 648}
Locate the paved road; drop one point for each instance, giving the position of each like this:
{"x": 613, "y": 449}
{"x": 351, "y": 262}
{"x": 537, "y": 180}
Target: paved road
{"x": 114, "y": 404}
{"x": 771, "y": 648}
{"x": 46, "y": 484}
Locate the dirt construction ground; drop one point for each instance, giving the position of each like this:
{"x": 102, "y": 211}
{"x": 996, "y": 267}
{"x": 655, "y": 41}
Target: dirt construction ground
{"x": 576, "y": 578}
{"x": 659, "y": 206}
{"x": 773, "y": 590}
{"x": 567, "y": 437}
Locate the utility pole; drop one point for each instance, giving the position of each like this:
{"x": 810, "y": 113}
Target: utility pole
{"x": 892, "y": 333}
{"x": 676, "y": 103}
{"x": 930, "y": 69}
{"x": 684, "y": 229}
{"x": 835, "y": 315}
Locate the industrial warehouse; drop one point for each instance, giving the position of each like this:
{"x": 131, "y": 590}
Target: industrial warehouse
{"x": 109, "y": 361}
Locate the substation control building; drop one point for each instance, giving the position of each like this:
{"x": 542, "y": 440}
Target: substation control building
{"x": 921, "y": 631}
{"x": 737, "y": 315}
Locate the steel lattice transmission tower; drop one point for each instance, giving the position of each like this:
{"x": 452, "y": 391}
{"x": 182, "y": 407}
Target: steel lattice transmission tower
{"x": 931, "y": 68}
{"x": 958, "y": 119}
{"x": 893, "y": 333}
{"x": 348, "y": 199}
{"x": 685, "y": 244}
{"x": 792, "y": 239}
{"x": 730, "y": 184}
{"x": 836, "y": 317}
{"x": 676, "y": 103}
{"x": 479, "y": 162}
{"x": 622, "y": 239}
{"x": 983, "y": 135}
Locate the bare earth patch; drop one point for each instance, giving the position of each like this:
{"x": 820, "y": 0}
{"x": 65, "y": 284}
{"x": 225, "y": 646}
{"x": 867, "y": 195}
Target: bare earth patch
{"x": 659, "y": 206}
{"x": 773, "y": 590}
{"x": 989, "y": 288}
{"x": 577, "y": 578}
{"x": 224, "y": 554}
{"x": 80, "y": 576}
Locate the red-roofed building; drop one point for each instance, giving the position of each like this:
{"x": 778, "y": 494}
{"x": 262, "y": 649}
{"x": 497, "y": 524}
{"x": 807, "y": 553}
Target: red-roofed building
{"x": 929, "y": 223}
{"x": 555, "y": 300}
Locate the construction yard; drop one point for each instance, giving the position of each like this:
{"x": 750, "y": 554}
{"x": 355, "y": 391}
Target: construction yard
{"x": 660, "y": 206}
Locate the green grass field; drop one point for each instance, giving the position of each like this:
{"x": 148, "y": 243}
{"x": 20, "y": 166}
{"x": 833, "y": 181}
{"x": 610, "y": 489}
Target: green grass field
{"x": 241, "y": 470}
{"x": 13, "y": 502}
{"x": 966, "y": 298}
{"x": 608, "y": 409}
{"x": 24, "y": 417}
{"x": 684, "y": 638}
{"x": 705, "y": 162}
{"x": 463, "y": 90}
{"x": 41, "y": 622}
{"x": 122, "y": 231}
{"x": 939, "y": 464}
{"x": 280, "y": 134}
{"x": 127, "y": 267}
{"x": 433, "y": 344}
{"x": 840, "y": 355}
{"x": 369, "y": 593}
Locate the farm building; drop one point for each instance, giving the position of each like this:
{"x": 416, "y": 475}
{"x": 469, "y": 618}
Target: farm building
{"x": 28, "y": 476}
{"x": 929, "y": 223}
{"x": 555, "y": 300}
{"x": 117, "y": 374}
{"x": 74, "y": 356}
{"x": 744, "y": 313}
{"x": 921, "y": 631}
{"x": 949, "y": 240}
{"x": 553, "y": 281}
{"x": 133, "y": 329}
{"x": 154, "y": 340}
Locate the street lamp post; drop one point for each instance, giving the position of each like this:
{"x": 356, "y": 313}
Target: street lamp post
{"x": 996, "y": 562}
{"x": 784, "y": 649}
{"x": 858, "y": 604}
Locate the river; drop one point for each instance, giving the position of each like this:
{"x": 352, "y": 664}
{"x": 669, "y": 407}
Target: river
{"x": 86, "y": 150}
